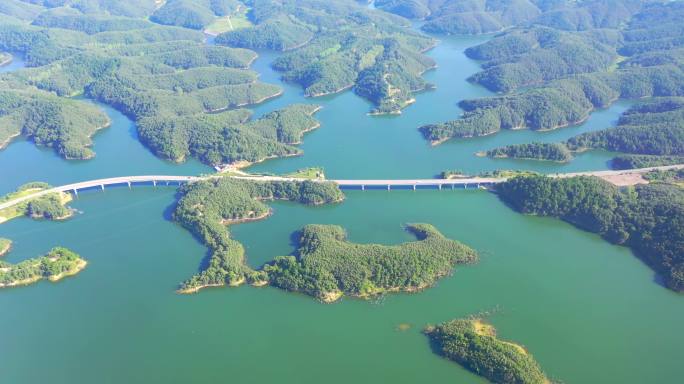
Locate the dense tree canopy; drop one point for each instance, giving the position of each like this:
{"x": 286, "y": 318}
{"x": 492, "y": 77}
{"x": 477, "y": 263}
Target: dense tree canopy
{"x": 194, "y": 14}
{"x": 652, "y": 132}
{"x": 55, "y": 265}
{"x": 338, "y": 45}
{"x": 572, "y": 69}
{"x": 185, "y": 95}
{"x": 327, "y": 265}
{"x": 533, "y": 151}
{"x": 473, "y": 344}
{"x": 206, "y": 208}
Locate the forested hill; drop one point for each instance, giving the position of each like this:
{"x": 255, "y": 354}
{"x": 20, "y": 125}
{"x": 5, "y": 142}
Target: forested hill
{"x": 555, "y": 75}
{"x": 185, "y": 95}
{"x": 472, "y": 17}
{"x": 649, "y": 133}
{"x": 340, "y": 44}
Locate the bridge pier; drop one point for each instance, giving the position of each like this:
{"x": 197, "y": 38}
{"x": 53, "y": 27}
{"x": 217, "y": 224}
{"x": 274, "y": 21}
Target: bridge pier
{"x": 102, "y": 187}
{"x": 154, "y": 182}
{"x": 439, "y": 186}
{"x": 363, "y": 187}
{"x": 414, "y": 187}
{"x": 452, "y": 186}
{"x": 388, "y": 187}
{"x": 129, "y": 184}
{"x": 76, "y": 192}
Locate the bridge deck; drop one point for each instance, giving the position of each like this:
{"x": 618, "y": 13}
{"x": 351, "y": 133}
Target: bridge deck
{"x": 415, "y": 183}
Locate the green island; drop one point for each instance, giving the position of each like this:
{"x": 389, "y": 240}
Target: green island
{"x": 51, "y": 206}
{"x": 646, "y": 218}
{"x": 207, "y": 208}
{"x": 328, "y": 266}
{"x": 552, "y": 74}
{"x": 650, "y": 133}
{"x": 53, "y": 266}
{"x": 337, "y": 45}
{"x": 473, "y": 343}
{"x": 5, "y": 246}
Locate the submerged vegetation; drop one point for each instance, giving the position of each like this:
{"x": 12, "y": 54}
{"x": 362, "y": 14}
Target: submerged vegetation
{"x": 646, "y": 218}
{"x": 54, "y": 266}
{"x": 336, "y": 45}
{"x": 328, "y": 266}
{"x": 51, "y": 206}
{"x": 474, "y": 344}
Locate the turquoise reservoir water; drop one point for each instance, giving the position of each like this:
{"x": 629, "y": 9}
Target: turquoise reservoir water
{"x": 589, "y": 311}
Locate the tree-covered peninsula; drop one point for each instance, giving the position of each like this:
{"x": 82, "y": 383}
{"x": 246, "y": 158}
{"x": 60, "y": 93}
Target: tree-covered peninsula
{"x": 646, "y": 218}
{"x": 650, "y": 133}
{"x": 53, "y": 266}
{"x": 473, "y": 343}
{"x": 51, "y": 206}
{"x": 533, "y": 151}
{"x": 556, "y": 75}
{"x": 186, "y": 96}
{"x": 208, "y": 207}
{"x": 337, "y": 45}
{"x": 328, "y": 266}
{"x": 62, "y": 124}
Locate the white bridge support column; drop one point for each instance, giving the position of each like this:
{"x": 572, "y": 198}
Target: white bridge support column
{"x": 414, "y": 187}
{"x": 129, "y": 184}
{"x": 363, "y": 187}
{"x": 154, "y": 182}
{"x": 102, "y": 187}
{"x": 439, "y": 186}
{"x": 388, "y": 187}
{"x": 75, "y": 192}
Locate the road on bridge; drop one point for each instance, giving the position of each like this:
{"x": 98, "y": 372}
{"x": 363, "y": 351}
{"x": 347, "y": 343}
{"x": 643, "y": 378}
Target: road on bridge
{"x": 620, "y": 177}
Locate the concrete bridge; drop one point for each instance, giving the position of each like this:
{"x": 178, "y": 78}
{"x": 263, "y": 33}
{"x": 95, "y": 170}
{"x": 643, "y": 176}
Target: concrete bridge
{"x": 101, "y": 184}
{"x": 632, "y": 175}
